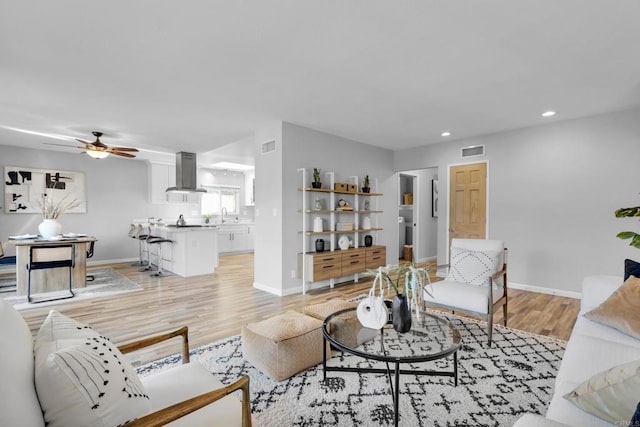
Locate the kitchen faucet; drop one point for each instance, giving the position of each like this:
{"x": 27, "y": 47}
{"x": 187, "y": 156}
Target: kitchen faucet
{"x": 223, "y": 212}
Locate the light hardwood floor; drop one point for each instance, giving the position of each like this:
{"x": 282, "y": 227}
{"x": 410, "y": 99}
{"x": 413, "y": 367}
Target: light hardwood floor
{"x": 216, "y": 306}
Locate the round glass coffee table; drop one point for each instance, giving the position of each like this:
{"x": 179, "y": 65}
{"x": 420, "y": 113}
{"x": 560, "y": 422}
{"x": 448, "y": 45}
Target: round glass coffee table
{"x": 431, "y": 337}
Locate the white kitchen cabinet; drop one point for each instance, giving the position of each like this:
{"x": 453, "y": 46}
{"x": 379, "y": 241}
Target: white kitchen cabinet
{"x": 161, "y": 177}
{"x": 235, "y": 238}
{"x": 194, "y": 251}
{"x": 250, "y": 240}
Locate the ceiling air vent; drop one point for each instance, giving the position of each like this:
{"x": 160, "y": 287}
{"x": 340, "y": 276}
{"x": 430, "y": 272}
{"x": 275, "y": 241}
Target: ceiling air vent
{"x": 473, "y": 151}
{"x": 268, "y": 147}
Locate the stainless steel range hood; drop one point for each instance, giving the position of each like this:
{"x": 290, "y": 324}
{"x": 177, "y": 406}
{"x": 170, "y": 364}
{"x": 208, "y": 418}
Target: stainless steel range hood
{"x": 186, "y": 174}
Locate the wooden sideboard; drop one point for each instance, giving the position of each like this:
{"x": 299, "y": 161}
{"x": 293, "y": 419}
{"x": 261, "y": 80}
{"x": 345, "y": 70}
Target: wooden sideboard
{"x": 338, "y": 263}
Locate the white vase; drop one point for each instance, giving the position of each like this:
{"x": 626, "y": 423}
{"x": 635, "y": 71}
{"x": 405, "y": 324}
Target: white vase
{"x": 49, "y": 228}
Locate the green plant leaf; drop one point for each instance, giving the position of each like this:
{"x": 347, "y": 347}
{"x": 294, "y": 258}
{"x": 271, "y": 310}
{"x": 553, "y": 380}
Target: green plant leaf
{"x": 635, "y": 242}
{"x": 626, "y": 235}
{"x": 627, "y": 212}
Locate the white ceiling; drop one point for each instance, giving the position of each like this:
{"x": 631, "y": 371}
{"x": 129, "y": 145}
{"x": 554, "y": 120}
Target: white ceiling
{"x": 196, "y": 75}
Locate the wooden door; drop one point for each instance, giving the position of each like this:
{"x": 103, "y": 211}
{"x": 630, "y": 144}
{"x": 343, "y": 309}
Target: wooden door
{"x": 468, "y": 201}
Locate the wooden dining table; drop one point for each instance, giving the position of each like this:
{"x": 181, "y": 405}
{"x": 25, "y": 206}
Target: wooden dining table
{"x": 54, "y": 279}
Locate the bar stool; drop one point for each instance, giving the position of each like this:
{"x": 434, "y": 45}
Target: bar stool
{"x": 158, "y": 241}
{"x": 137, "y": 232}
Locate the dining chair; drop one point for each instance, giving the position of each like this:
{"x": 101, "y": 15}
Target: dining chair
{"x": 49, "y": 257}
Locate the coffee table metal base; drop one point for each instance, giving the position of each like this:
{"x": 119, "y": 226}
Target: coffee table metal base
{"x": 394, "y": 385}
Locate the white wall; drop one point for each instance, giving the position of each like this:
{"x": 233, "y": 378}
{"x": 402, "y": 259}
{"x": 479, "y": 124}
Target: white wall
{"x": 307, "y": 148}
{"x": 116, "y": 193}
{"x": 268, "y": 211}
{"x": 552, "y": 193}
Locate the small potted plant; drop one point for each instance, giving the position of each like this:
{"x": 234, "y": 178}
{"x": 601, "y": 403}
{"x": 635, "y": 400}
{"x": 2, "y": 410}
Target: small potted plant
{"x": 207, "y": 218}
{"x": 316, "y": 179}
{"x": 365, "y": 184}
{"x": 408, "y": 283}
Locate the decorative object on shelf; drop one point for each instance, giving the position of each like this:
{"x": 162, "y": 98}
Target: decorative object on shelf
{"x": 408, "y": 282}
{"x": 368, "y": 240}
{"x": 344, "y": 226}
{"x": 434, "y": 198}
{"x": 319, "y": 245}
{"x": 366, "y": 223}
{"x": 318, "y": 204}
{"x": 316, "y": 183}
{"x": 365, "y": 184}
{"x": 626, "y": 213}
{"x": 372, "y": 311}
{"x": 344, "y": 242}
{"x": 343, "y": 205}
{"x": 49, "y": 228}
{"x": 407, "y": 199}
{"x": 367, "y": 205}
{"x": 317, "y": 225}
{"x": 341, "y": 186}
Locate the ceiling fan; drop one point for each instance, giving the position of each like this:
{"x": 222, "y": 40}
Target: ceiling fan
{"x": 99, "y": 150}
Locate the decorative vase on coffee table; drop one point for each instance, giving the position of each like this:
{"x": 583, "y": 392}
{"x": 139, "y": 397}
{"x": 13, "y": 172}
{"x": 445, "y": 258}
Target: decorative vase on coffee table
{"x": 49, "y": 228}
{"x": 401, "y": 314}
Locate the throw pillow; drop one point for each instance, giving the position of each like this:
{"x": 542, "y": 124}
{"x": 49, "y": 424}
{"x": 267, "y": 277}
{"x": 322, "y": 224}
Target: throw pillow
{"x": 635, "y": 419}
{"x": 611, "y": 395}
{"x": 620, "y": 310}
{"x": 473, "y": 267}
{"x": 82, "y": 378}
{"x": 631, "y": 268}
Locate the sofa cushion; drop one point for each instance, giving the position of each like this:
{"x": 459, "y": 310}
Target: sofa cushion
{"x": 620, "y": 310}
{"x": 611, "y": 395}
{"x": 473, "y": 267}
{"x": 631, "y": 268}
{"x": 82, "y": 378}
{"x": 19, "y": 404}
{"x": 462, "y": 296}
{"x": 596, "y": 289}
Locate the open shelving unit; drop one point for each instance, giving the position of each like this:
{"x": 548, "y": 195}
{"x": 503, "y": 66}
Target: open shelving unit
{"x": 334, "y": 263}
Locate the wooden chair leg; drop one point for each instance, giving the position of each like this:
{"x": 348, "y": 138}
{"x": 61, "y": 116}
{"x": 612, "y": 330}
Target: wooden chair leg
{"x": 504, "y": 313}
{"x": 490, "y": 328}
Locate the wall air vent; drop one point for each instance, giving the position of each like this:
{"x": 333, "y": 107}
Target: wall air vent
{"x": 268, "y": 147}
{"x": 473, "y": 151}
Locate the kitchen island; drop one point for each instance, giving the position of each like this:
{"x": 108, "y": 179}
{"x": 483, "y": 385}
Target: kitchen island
{"x": 194, "y": 250}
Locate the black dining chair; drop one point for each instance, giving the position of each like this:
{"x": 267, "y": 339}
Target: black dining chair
{"x": 7, "y": 260}
{"x": 47, "y": 257}
{"x": 90, "y": 277}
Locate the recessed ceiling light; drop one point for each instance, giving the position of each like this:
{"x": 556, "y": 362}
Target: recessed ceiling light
{"x": 548, "y": 113}
{"x": 446, "y": 134}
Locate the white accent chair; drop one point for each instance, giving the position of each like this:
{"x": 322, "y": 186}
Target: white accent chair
{"x": 476, "y": 282}
{"x": 186, "y": 395}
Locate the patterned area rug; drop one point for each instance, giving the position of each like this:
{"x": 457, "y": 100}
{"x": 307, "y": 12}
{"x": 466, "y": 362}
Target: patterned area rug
{"x": 107, "y": 282}
{"x": 496, "y": 385}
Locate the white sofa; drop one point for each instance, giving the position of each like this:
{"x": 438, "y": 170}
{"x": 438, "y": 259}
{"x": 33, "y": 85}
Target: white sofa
{"x": 592, "y": 348}
{"x": 190, "y": 383}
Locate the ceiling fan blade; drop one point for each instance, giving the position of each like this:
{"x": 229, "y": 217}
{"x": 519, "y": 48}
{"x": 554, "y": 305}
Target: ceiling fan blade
{"x": 123, "y": 149}
{"x": 117, "y": 153}
{"x": 83, "y": 141}
{"x": 62, "y": 145}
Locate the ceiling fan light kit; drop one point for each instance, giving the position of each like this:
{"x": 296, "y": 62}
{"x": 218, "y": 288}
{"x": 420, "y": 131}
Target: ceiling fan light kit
{"x": 99, "y": 150}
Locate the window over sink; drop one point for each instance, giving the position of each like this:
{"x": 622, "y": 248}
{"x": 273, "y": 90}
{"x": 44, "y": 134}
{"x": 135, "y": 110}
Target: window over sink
{"x": 219, "y": 197}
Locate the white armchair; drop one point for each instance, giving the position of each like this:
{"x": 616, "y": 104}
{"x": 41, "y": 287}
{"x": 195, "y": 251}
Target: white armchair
{"x": 476, "y": 282}
{"x": 78, "y": 377}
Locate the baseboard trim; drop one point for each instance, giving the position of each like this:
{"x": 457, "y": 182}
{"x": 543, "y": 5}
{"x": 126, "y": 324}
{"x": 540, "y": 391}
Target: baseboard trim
{"x": 541, "y": 290}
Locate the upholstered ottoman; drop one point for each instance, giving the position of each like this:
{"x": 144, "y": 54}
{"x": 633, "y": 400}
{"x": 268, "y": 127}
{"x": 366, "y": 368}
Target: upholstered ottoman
{"x": 283, "y": 345}
{"x": 344, "y": 329}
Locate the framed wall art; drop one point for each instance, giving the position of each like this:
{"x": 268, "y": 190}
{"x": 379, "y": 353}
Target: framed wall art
{"x": 25, "y": 189}
{"x": 434, "y": 198}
